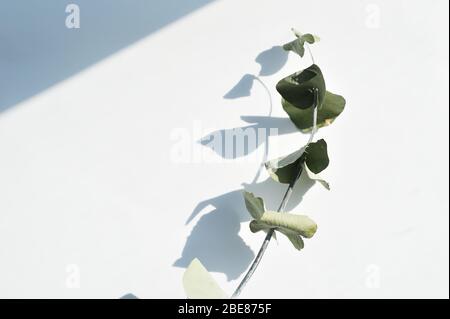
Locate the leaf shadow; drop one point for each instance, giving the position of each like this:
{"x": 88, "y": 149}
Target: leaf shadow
{"x": 242, "y": 88}
{"x": 215, "y": 237}
{"x": 270, "y": 62}
{"x": 223, "y": 142}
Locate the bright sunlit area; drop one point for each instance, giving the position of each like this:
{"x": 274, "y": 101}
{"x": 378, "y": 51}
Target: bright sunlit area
{"x": 151, "y": 148}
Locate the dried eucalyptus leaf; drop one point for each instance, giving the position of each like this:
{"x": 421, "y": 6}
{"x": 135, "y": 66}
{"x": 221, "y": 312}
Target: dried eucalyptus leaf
{"x": 199, "y": 284}
{"x": 332, "y": 107}
{"x": 298, "y": 88}
{"x": 256, "y": 226}
{"x": 255, "y": 205}
{"x": 286, "y": 223}
{"x": 295, "y": 239}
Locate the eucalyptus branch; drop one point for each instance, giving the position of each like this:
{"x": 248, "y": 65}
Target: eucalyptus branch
{"x": 266, "y": 241}
{"x": 281, "y": 208}
{"x": 304, "y": 97}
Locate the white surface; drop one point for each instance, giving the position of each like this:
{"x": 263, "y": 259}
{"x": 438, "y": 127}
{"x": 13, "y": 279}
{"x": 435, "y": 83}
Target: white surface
{"x": 86, "y": 176}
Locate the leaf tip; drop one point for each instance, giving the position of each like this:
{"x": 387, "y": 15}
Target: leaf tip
{"x": 199, "y": 284}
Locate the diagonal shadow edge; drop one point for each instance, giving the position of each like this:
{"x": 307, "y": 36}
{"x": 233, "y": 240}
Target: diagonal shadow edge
{"x": 39, "y": 51}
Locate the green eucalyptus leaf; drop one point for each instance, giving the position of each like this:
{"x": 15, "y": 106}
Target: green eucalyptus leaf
{"x": 298, "y": 88}
{"x": 285, "y": 169}
{"x": 300, "y": 225}
{"x": 332, "y": 107}
{"x": 298, "y": 45}
{"x": 199, "y": 284}
{"x": 255, "y": 205}
{"x": 316, "y": 156}
{"x": 310, "y": 38}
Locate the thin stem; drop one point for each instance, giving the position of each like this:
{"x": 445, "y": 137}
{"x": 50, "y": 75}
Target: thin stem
{"x": 266, "y": 144}
{"x": 257, "y": 78}
{"x": 310, "y": 53}
{"x": 281, "y": 208}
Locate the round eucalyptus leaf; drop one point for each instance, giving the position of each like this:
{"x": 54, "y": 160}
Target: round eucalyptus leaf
{"x": 316, "y": 156}
{"x": 332, "y": 107}
{"x": 298, "y": 88}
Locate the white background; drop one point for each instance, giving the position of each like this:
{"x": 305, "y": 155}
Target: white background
{"x": 93, "y": 204}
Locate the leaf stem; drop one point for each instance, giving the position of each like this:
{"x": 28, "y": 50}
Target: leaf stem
{"x": 310, "y": 53}
{"x": 266, "y": 144}
{"x": 266, "y": 241}
{"x": 257, "y": 78}
{"x": 281, "y": 208}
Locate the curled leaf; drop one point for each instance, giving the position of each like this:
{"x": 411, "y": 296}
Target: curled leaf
{"x": 199, "y": 284}
{"x": 291, "y": 223}
{"x": 294, "y": 227}
{"x": 255, "y": 205}
{"x": 332, "y": 107}
{"x": 298, "y": 88}
{"x": 285, "y": 169}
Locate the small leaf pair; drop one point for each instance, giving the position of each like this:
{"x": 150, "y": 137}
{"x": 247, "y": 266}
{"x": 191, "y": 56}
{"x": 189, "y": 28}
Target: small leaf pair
{"x": 298, "y": 45}
{"x": 293, "y": 226}
{"x": 312, "y": 159}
